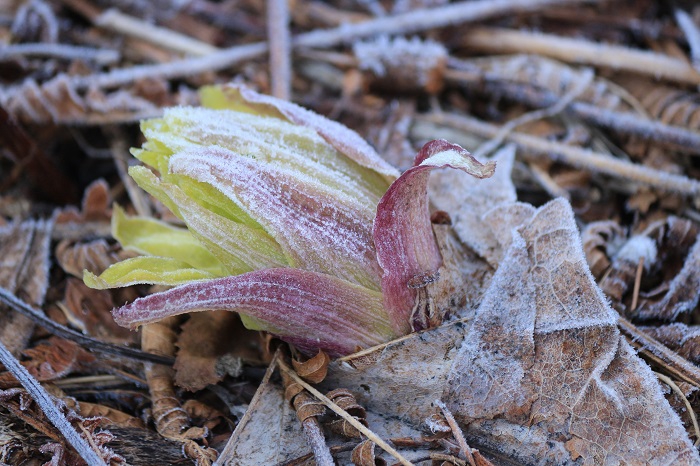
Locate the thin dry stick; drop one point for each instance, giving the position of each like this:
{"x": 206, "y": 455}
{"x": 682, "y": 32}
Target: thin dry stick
{"x": 278, "y": 36}
{"x": 672, "y": 363}
{"x": 624, "y": 122}
{"x": 574, "y": 156}
{"x": 342, "y": 413}
{"x": 64, "y": 51}
{"x": 569, "y": 50}
{"x": 668, "y": 381}
{"x": 637, "y": 283}
{"x": 581, "y": 85}
{"x": 457, "y": 432}
{"x": 55, "y": 328}
{"x": 228, "y": 454}
{"x": 417, "y": 20}
{"x": 48, "y": 407}
{"x": 117, "y": 21}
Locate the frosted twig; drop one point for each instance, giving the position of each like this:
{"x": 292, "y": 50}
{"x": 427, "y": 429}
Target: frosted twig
{"x": 64, "y": 51}
{"x": 117, "y": 21}
{"x": 414, "y": 21}
{"x": 278, "y": 36}
{"x": 624, "y": 122}
{"x": 55, "y": 328}
{"x": 692, "y": 35}
{"x": 668, "y": 381}
{"x": 574, "y": 156}
{"x": 344, "y": 414}
{"x": 315, "y": 438}
{"x": 580, "y": 86}
{"x": 457, "y": 432}
{"x": 569, "y": 50}
{"x": 48, "y": 407}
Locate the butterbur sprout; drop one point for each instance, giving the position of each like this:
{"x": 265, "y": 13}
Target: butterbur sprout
{"x": 293, "y": 221}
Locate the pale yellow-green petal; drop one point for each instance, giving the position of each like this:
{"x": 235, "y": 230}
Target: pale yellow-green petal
{"x": 239, "y": 247}
{"x": 145, "y": 270}
{"x": 152, "y": 237}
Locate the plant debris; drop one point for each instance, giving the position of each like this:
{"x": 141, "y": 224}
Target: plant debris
{"x": 547, "y": 311}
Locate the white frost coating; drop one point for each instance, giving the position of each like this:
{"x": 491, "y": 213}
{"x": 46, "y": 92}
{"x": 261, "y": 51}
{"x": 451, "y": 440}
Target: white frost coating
{"x": 384, "y": 53}
{"x": 293, "y": 147}
{"x": 638, "y": 247}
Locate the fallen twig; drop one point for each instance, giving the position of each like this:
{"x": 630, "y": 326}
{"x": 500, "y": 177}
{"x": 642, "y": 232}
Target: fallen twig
{"x": 95, "y": 345}
{"x": 48, "y": 407}
{"x": 63, "y": 51}
{"x": 414, "y": 21}
{"x": 582, "y": 51}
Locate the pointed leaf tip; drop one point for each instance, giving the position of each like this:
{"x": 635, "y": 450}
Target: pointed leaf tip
{"x": 403, "y": 234}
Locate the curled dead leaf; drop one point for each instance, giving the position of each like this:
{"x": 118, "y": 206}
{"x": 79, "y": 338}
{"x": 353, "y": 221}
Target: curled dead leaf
{"x": 363, "y": 455}
{"x": 314, "y": 369}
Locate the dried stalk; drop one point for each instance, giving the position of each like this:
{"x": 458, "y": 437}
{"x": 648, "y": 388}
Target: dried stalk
{"x": 278, "y": 36}
{"x": 417, "y": 20}
{"x": 55, "y": 328}
{"x": 117, "y": 21}
{"x": 623, "y": 122}
{"x": 48, "y": 407}
{"x": 692, "y": 34}
{"x": 457, "y": 432}
{"x": 62, "y": 51}
{"x": 574, "y": 156}
{"x": 582, "y": 51}
{"x": 342, "y": 413}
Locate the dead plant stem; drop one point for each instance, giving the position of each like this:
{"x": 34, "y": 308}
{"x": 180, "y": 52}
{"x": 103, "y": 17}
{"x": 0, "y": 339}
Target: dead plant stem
{"x": 344, "y": 414}
{"x": 48, "y": 407}
{"x": 582, "y": 51}
{"x": 406, "y": 23}
{"x": 671, "y": 362}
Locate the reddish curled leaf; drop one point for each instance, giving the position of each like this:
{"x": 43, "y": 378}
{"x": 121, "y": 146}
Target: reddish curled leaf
{"x": 403, "y": 235}
{"x": 309, "y": 309}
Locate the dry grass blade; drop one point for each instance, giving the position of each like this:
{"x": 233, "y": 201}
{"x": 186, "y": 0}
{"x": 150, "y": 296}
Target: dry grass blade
{"x": 342, "y": 413}
{"x": 691, "y": 412}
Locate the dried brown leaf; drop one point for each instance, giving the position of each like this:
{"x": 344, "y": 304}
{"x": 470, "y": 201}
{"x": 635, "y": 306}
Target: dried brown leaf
{"x": 543, "y": 371}
{"x": 110, "y": 416}
{"x": 51, "y": 361}
{"x": 96, "y": 256}
{"x": 363, "y": 455}
{"x": 89, "y": 310}
{"x": 24, "y": 248}
{"x": 314, "y": 369}
{"x": 682, "y": 295}
{"x": 211, "y": 345}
